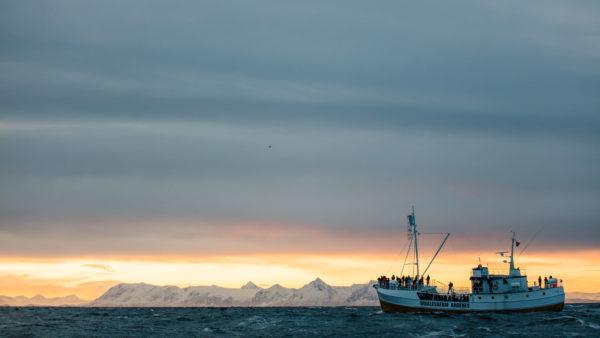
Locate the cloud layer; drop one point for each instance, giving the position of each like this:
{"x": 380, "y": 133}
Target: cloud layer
{"x": 147, "y": 128}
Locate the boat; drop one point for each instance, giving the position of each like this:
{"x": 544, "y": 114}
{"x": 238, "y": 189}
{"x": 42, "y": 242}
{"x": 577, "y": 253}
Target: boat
{"x": 490, "y": 291}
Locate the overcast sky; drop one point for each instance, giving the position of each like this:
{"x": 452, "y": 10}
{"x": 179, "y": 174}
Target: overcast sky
{"x": 215, "y": 127}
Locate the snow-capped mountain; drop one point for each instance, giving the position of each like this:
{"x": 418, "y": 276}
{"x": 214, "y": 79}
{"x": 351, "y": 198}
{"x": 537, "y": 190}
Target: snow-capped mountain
{"x": 38, "y": 300}
{"x": 150, "y": 295}
{"x": 251, "y": 286}
{"x": 315, "y": 293}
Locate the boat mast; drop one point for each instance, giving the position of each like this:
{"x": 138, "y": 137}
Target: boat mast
{"x": 412, "y": 227}
{"x": 512, "y": 254}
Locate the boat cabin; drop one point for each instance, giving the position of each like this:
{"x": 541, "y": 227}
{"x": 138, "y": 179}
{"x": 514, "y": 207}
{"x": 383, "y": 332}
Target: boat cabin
{"x": 484, "y": 282}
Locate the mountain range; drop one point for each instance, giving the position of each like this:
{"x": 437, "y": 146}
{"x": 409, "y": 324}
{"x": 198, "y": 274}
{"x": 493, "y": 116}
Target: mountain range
{"x": 315, "y": 293}
{"x": 39, "y": 300}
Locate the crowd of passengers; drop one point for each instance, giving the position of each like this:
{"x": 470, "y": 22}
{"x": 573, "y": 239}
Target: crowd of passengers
{"x": 404, "y": 281}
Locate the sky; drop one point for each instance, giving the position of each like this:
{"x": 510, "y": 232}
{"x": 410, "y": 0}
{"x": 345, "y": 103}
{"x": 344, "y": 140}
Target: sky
{"x": 211, "y": 142}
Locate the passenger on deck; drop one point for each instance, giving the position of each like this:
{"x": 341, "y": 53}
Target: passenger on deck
{"x": 545, "y": 282}
{"x": 428, "y": 280}
{"x": 450, "y": 285}
{"x": 540, "y": 281}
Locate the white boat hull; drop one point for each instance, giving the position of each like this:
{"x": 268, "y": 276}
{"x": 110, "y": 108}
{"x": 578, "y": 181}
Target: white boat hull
{"x": 552, "y": 299}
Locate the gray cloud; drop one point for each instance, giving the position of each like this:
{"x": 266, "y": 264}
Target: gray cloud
{"x": 496, "y": 70}
{"x": 483, "y": 115}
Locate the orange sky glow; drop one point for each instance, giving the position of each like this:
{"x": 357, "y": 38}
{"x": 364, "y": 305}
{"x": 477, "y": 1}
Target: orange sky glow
{"x": 89, "y": 277}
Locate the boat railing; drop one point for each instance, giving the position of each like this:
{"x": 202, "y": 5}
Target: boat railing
{"x": 391, "y": 286}
{"x": 493, "y": 272}
{"x": 500, "y": 272}
{"x": 426, "y": 288}
{"x": 458, "y": 291}
{"x": 553, "y": 283}
{"x": 396, "y": 286}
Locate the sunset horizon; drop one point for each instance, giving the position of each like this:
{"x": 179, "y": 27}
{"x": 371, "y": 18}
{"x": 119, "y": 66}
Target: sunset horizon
{"x": 89, "y": 277}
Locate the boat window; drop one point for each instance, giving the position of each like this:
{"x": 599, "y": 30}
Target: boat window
{"x": 492, "y": 297}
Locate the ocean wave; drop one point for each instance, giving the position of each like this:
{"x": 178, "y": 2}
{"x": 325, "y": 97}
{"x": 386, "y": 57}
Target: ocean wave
{"x": 254, "y": 322}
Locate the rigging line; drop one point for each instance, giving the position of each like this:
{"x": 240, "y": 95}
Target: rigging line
{"x": 437, "y": 281}
{"x": 531, "y": 240}
{"x": 396, "y": 258}
{"x": 414, "y": 259}
{"x": 405, "y": 257}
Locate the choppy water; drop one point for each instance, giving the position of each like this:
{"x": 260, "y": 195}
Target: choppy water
{"x": 575, "y": 320}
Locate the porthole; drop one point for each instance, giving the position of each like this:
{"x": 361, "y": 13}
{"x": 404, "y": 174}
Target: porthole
{"x": 479, "y": 297}
{"x": 492, "y": 297}
{"x": 505, "y": 297}
{"x": 527, "y": 296}
{"x": 543, "y": 293}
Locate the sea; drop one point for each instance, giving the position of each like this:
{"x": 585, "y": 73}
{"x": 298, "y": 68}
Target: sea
{"x": 575, "y": 320}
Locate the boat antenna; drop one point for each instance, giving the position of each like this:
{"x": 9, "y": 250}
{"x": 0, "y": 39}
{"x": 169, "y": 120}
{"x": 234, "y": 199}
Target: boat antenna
{"x": 514, "y": 243}
{"x": 512, "y": 252}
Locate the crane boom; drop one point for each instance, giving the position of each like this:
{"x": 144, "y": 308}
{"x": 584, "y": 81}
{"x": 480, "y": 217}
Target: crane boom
{"x": 436, "y": 253}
